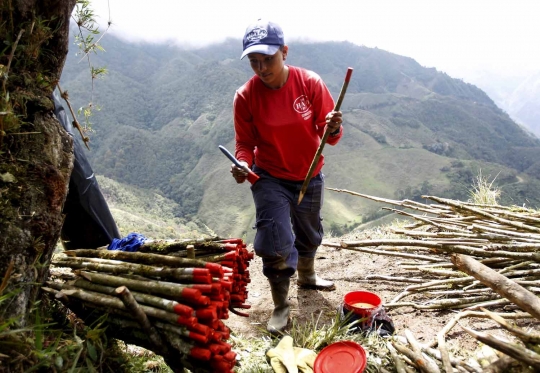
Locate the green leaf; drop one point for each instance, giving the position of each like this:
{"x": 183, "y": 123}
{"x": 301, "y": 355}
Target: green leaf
{"x": 90, "y": 366}
{"x": 38, "y": 333}
{"x": 91, "y": 350}
{"x": 95, "y": 334}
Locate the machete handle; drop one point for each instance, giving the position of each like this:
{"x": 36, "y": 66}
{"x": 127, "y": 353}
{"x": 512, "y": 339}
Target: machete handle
{"x": 252, "y": 177}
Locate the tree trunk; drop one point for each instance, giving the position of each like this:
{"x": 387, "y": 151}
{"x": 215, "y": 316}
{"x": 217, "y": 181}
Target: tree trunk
{"x": 36, "y": 153}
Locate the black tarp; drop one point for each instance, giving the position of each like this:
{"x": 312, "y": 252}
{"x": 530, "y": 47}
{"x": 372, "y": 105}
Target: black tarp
{"x": 88, "y": 221}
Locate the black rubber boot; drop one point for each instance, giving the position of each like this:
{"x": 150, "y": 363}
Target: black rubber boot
{"x": 280, "y": 315}
{"x": 308, "y": 279}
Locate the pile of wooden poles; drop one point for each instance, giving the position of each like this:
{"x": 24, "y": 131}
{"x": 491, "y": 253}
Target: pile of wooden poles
{"x": 407, "y": 352}
{"x": 463, "y": 256}
{"x": 171, "y": 294}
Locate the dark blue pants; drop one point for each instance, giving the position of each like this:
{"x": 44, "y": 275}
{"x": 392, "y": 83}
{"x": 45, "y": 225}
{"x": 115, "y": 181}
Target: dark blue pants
{"x": 286, "y": 230}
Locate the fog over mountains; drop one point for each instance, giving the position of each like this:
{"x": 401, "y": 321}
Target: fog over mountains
{"x": 516, "y": 93}
{"x": 409, "y": 130}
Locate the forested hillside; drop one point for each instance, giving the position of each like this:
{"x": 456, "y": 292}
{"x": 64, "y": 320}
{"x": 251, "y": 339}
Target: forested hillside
{"x": 409, "y": 130}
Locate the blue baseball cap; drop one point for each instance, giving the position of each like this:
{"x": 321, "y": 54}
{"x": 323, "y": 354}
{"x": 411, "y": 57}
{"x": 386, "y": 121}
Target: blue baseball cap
{"x": 263, "y": 37}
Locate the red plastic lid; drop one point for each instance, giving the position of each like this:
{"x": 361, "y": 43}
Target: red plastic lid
{"x": 342, "y": 357}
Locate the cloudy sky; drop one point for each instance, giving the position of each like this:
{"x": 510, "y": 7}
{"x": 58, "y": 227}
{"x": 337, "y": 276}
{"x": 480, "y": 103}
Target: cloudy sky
{"x": 455, "y": 36}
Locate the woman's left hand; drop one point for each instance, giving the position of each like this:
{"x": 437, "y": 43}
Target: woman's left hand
{"x": 334, "y": 120}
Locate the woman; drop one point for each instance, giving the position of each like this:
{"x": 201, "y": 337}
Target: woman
{"x": 280, "y": 116}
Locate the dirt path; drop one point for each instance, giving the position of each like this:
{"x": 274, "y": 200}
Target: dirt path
{"x": 348, "y": 270}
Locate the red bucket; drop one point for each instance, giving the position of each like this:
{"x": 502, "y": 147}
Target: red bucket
{"x": 363, "y": 303}
{"x": 341, "y": 357}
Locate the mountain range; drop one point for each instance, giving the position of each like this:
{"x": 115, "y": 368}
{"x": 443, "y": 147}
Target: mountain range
{"x": 409, "y": 130}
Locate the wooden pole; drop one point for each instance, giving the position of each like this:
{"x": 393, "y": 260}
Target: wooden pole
{"x": 398, "y": 363}
{"x": 138, "y": 314}
{"x": 526, "y": 337}
{"x": 499, "y": 283}
{"x": 417, "y": 358}
{"x": 511, "y": 349}
{"x": 325, "y": 137}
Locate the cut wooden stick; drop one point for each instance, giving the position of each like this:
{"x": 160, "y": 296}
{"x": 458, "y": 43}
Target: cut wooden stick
{"x": 400, "y": 296}
{"x": 373, "y": 198}
{"x": 502, "y": 365}
{"x": 445, "y": 356}
{"x": 504, "y": 270}
{"x": 526, "y": 337}
{"x": 387, "y": 242}
{"x": 500, "y": 284}
{"x": 189, "y": 275}
{"x": 315, "y": 160}
{"x": 462, "y": 249}
{"x": 168, "y": 289}
{"x": 518, "y": 352}
{"x": 142, "y": 258}
{"x": 138, "y": 314}
{"x": 398, "y": 363}
{"x": 456, "y": 362}
{"x": 441, "y": 304}
{"x": 442, "y": 273}
{"x": 102, "y": 300}
{"x": 454, "y": 320}
{"x": 506, "y": 232}
{"x": 395, "y": 279}
{"x": 484, "y": 214}
{"x": 151, "y": 300}
{"x": 396, "y": 254}
{"x": 452, "y": 281}
{"x": 417, "y": 358}
{"x": 443, "y": 227}
{"x": 415, "y": 346}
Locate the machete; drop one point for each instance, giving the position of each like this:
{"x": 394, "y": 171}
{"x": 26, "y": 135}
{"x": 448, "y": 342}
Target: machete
{"x": 252, "y": 177}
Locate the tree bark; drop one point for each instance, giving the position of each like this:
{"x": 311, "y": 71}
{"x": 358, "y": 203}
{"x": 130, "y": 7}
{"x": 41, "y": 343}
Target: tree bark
{"x": 500, "y": 284}
{"x": 36, "y": 153}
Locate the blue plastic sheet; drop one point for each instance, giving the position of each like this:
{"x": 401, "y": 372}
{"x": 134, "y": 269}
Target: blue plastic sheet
{"x": 130, "y": 243}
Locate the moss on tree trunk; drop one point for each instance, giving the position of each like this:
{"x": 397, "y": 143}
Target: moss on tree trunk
{"x": 36, "y": 153}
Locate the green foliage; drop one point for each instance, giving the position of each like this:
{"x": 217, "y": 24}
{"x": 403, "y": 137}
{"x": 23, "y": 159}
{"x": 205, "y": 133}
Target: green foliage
{"x": 44, "y": 345}
{"x": 24, "y": 73}
{"x": 338, "y": 230}
{"x": 88, "y": 29}
{"x": 57, "y": 341}
{"x": 415, "y": 193}
{"x": 313, "y": 335}
{"x": 165, "y": 111}
{"x": 380, "y": 138}
{"x": 133, "y": 359}
{"x": 137, "y": 210}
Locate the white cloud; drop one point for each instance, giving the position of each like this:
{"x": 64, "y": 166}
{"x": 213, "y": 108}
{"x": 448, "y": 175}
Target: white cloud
{"x": 452, "y": 35}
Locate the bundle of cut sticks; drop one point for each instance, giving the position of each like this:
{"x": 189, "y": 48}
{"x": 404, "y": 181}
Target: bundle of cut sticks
{"x": 175, "y": 292}
{"x": 505, "y": 239}
{"x": 463, "y": 256}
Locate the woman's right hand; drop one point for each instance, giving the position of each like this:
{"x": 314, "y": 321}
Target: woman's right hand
{"x": 239, "y": 174}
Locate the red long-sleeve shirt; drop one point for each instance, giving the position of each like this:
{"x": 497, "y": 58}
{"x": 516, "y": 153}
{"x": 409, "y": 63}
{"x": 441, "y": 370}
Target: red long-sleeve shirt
{"x": 281, "y": 129}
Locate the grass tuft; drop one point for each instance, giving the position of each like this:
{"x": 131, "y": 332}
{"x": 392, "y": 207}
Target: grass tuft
{"x": 483, "y": 192}
{"x": 252, "y": 353}
{"x": 58, "y": 341}
{"x": 315, "y": 336}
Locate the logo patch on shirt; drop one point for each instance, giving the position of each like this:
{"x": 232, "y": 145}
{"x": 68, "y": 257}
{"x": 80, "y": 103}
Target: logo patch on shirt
{"x": 303, "y": 106}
